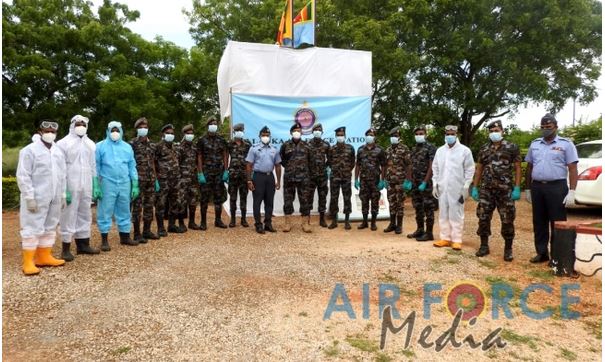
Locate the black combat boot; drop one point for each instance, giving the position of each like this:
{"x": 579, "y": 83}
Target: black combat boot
{"x": 364, "y": 223}
{"x": 508, "y": 250}
{"x": 171, "y": 225}
{"x": 322, "y": 220}
{"x": 161, "y": 231}
{"x": 399, "y": 227}
{"x": 105, "y": 243}
{"x": 334, "y": 223}
{"x": 391, "y": 226}
{"x": 66, "y": 253}
{"x": 259, "y": 227}
{"x": 203, "y": 211}
{"x": 244, "y": 223}
{"x": 217, "y": 217}
{"x": 484, "y": 248}
{"x": 428, "y": 234}
{"x": 419, "y": 230}
{"x": 192, "y": 225}
{"x": 182, "y": 228}
{"x": 233, "y": 220}
{"x": 347, "y": 223}
{"x": 126, "y": 240}
{"x": 137, "y": 231}
{"x": 373, "y": 223}
{"x": 83, "y": 247}
{"x": 147, "y": 234}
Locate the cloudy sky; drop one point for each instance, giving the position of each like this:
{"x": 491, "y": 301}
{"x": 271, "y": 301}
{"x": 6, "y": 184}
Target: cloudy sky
{"x": 170, "y": 22}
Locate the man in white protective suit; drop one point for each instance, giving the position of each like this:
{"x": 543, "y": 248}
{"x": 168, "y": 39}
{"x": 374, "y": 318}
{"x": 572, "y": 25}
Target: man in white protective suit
{"x": 76, "y": 218}
{"x": 453, "y": 170}
{"x": 41, "y": 180}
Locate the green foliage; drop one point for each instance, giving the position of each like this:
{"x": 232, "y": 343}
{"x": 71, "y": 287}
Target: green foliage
{"x": 584, "y": 132}
{"x": 10, "y": 193}
{"x": 10, "y": 158}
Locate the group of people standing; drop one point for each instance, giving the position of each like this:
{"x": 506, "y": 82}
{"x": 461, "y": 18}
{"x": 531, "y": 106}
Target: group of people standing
{"x": 58, "y": 182}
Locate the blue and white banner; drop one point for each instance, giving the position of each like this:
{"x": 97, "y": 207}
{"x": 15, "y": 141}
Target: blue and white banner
{"x": 280, "y": 113}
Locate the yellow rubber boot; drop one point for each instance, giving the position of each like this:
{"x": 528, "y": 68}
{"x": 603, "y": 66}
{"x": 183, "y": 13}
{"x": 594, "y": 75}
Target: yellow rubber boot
{"x": 305, "y": 222}
{"x": 29, "y": 268}
{"x": 45, "y": 258}
{"x": 442, "y": 243}
{"x": 287, "y": 225}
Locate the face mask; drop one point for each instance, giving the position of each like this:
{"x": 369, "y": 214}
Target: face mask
{"x": 265, "y": 139}
{"x": 495, "y": 136}
{"x": 369, "y": 139}
{"x": 238, "y": 134}
{"x": 115, "y": 136}
{"x": 189, "y": 137}
{"x": 168, "y": 137}
{"x": 142, "y": 132}
{"x": 80, "y": 130}
{"x": 212, "y": 128}
{"x": 548, "y": 132}
{"x": 296, "y": 135}
{"x": 450, "y": 139}
{"x": 419, "y": 139}
{"x": 317, "y": 134}
{"x": 394, "y": 140}
{"x": 340, "y": 139}
{"x": 49, "y": 137}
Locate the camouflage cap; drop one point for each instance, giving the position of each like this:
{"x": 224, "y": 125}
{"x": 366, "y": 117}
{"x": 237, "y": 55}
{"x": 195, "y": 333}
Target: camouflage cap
{"x": 395, "y": 131}
{"x": 186, "y": 128}
{"x": 419, "y": 127}
{"x": 238, "y": 127}
{"x": 496, "y": 123}
{"x": 139, "y": 121}
{"x": 211, "y": 120}
{"x": 168, "y": 126}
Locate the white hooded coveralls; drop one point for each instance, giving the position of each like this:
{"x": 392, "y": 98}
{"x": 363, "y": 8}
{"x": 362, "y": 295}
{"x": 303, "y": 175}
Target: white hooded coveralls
{"x": 40, "y": 177}
{"x": 453, "y": 170}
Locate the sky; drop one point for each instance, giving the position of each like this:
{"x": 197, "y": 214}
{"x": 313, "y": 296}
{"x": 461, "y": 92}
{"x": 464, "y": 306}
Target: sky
{"x": 169, "y": 22}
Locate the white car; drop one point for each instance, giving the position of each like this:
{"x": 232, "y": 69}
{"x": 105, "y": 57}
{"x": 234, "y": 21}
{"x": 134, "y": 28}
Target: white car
{"x": 590, "y": 166}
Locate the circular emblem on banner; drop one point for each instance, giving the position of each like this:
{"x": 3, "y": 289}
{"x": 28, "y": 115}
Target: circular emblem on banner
{"x": 468, "y": 297}
{"x": 306, "y": 117}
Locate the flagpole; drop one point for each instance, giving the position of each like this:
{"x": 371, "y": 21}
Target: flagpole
{"x": 292, "y": 22}
{"x": 314, "y": 22}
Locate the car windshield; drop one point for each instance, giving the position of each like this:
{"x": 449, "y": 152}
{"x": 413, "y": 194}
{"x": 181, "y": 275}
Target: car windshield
{"x": 594, "y": 150}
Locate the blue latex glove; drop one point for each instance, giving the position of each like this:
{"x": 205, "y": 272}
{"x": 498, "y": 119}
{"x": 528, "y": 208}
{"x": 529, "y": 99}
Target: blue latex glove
{"x": 97, "y": 193}
{"x": 328, "y": 172}
{"x": 516, "y": 194}
{"x": 475, "y": 193}
{"x": 226, "y": 176}
{"x": 201, "y": 178}
{"x": 381, "y": 184}
{"x": 67, "y": 197}
{"x": 407, "y": 185}
{"x": 156, "y": 186}
{"x": 134, "y": 191}
{"x": 422, "y": 186}
{"x": 357, "y": 184}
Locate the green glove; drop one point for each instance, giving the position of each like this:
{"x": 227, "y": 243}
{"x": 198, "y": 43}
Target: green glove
{"x": 156, "y": 186}
{"x": 201, "y": 178}
{"x": 97, "y": 193}
{"x": 381, "y": 184}
{"x": 475, "y": 193}
{"x": 328, "y": 172}
{"x": 226, "y": 176}
{"x": 407, "y": 185}
{"x": 422, "y": 186}
{"x": 67, "y": 197}
{"x": 134, "y": 192}
{"x": 357, "y": 184}
{"x": 516, "y": 194}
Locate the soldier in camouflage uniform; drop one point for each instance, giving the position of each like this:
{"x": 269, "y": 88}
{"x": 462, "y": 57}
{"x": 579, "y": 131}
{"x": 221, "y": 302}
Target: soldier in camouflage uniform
{"x": 319, "y": 171}
{"x": 190, "y": 189}
{"x": 398, "y": 178}
{"x": 144, "y": 154}
{"x": 369, "y": 177}
{"x": 422, "y": 172}
{"x": 238, "y": 150}
{"x": 296, "y": 159}
{"x": 495, "y": 172}
{"x": 212, "y": 167}
{"x": 341, "y": 161}
{"x": 169, "y": 198}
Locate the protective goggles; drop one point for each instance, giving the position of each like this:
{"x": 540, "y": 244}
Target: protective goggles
{"x": 451, "y": 128}
{"x": 49, "y": 124}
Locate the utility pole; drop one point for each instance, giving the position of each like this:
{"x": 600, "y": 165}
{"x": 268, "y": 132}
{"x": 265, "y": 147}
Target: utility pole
{"x": 573, "y": 121}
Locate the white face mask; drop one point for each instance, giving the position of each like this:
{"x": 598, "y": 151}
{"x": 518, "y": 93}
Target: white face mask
{"x": 115, "y": 136}
{"x": 317, "y": 134}
{"x": 340, "y": 139}
{"x": 394, "y": 140}
{"x": 238, "y": 134}
{"x": 142, "y": 132}
{"x": 212, "y": 128}
{"x": 296, "y": 135}
{"x": 189, "y": 137}
{"x": 49, "y": 137}
{"x": 369, "y": 139}
{"x": 265, "y": 139}
{"x": 420, "y": 138}
{"x": 495, "y": 136}
{"x": 168, "y": 137}
{"x": 450, "y": 139}
{"x": 80, "y": 130}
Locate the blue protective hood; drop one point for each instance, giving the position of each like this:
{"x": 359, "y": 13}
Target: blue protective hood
{"x": 111, "y": 125}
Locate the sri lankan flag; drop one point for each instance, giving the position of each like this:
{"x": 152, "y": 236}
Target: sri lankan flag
{"x": 284, "y": 33}
{"x": 304, "y": 25}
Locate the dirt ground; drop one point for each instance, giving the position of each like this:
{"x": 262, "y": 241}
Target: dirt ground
{"x": 236, "y": 295}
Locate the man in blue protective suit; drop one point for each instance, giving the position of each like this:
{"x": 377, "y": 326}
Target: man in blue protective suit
{"x": 117, "y": 183}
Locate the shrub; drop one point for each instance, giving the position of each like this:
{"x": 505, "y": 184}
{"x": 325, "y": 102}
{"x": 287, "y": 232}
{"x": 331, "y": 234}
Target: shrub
{"x": 10, "y": 157}
{"x": 10, "y": 193}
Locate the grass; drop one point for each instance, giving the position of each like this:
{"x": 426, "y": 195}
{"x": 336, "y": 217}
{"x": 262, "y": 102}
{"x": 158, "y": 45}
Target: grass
{"x": 408, "y": 353}
{"x": 487, "y": 263}
{"x": 595, "y": 328}
{"x": 517, "y": 339}
{"x": 362, "y": 343}
{"x": 388, "y": 278}
{"x": 122, "y": 350}
{"x": 303, "y": 314}
{"x": 545, "y": 275}
{"x": 333, "y": 350}
{"x": 382, "y": 357}
{"x": 407, "y": 292}
{"x": 567, "y": 354}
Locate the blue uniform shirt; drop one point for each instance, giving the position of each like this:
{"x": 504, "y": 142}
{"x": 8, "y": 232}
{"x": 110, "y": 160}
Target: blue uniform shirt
{"x": 263, "y": 157}
{"x": 550, "y": 160}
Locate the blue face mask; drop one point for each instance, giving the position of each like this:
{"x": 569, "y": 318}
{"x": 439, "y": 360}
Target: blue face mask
{"x": 369, "y": 139}
{"x": 394, "y": 140}
{"x": 495, "y": 136}
{"x": 450, "y": 140}
{"x": 142, "y": 132}
{"x": 238, "y": 134}
{"x": 168, "y": 137}
{"x": 212, "y": 128}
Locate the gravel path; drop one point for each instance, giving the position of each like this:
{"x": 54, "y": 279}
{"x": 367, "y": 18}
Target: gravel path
{"x": 235, "y": 295}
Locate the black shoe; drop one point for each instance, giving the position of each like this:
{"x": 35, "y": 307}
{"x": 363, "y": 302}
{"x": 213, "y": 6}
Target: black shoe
{"x": 259, "y": 228}
{"x": 483, "y": 251}
{"x": 364, "y": 223}
{"x": 391, "y": 226}
{"x": 105, "y": 243}
{"x": 347, "y": 223}
{"x": 399, "y": 224}
{"x": 161, "y": 231}
{"x": 373, "y": 226}
{"x": 539, "y": 259}
{"x": 416, "y": 234}
{"x": 244, "y": 223}
{"x": 66, "y": 253}
{"x": 322, "y": 220}
{"x": 182, "y": 228}
{"x": 172, "y": 228}
{"x": 425, "y": 237}
{"x": 83, "y": 247}
{"x": 269, "y": 228}
{"x": 126, "y": 240}
{"x": 508, "y": 255}
{"x": 333, "y": 224}
{"x": 192, "y": 225}
{"x": 139, "y": 238}
{"x": 203, "y": 225}
{"x": 219, "y": 224}
{"x": 147, "y": 234}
